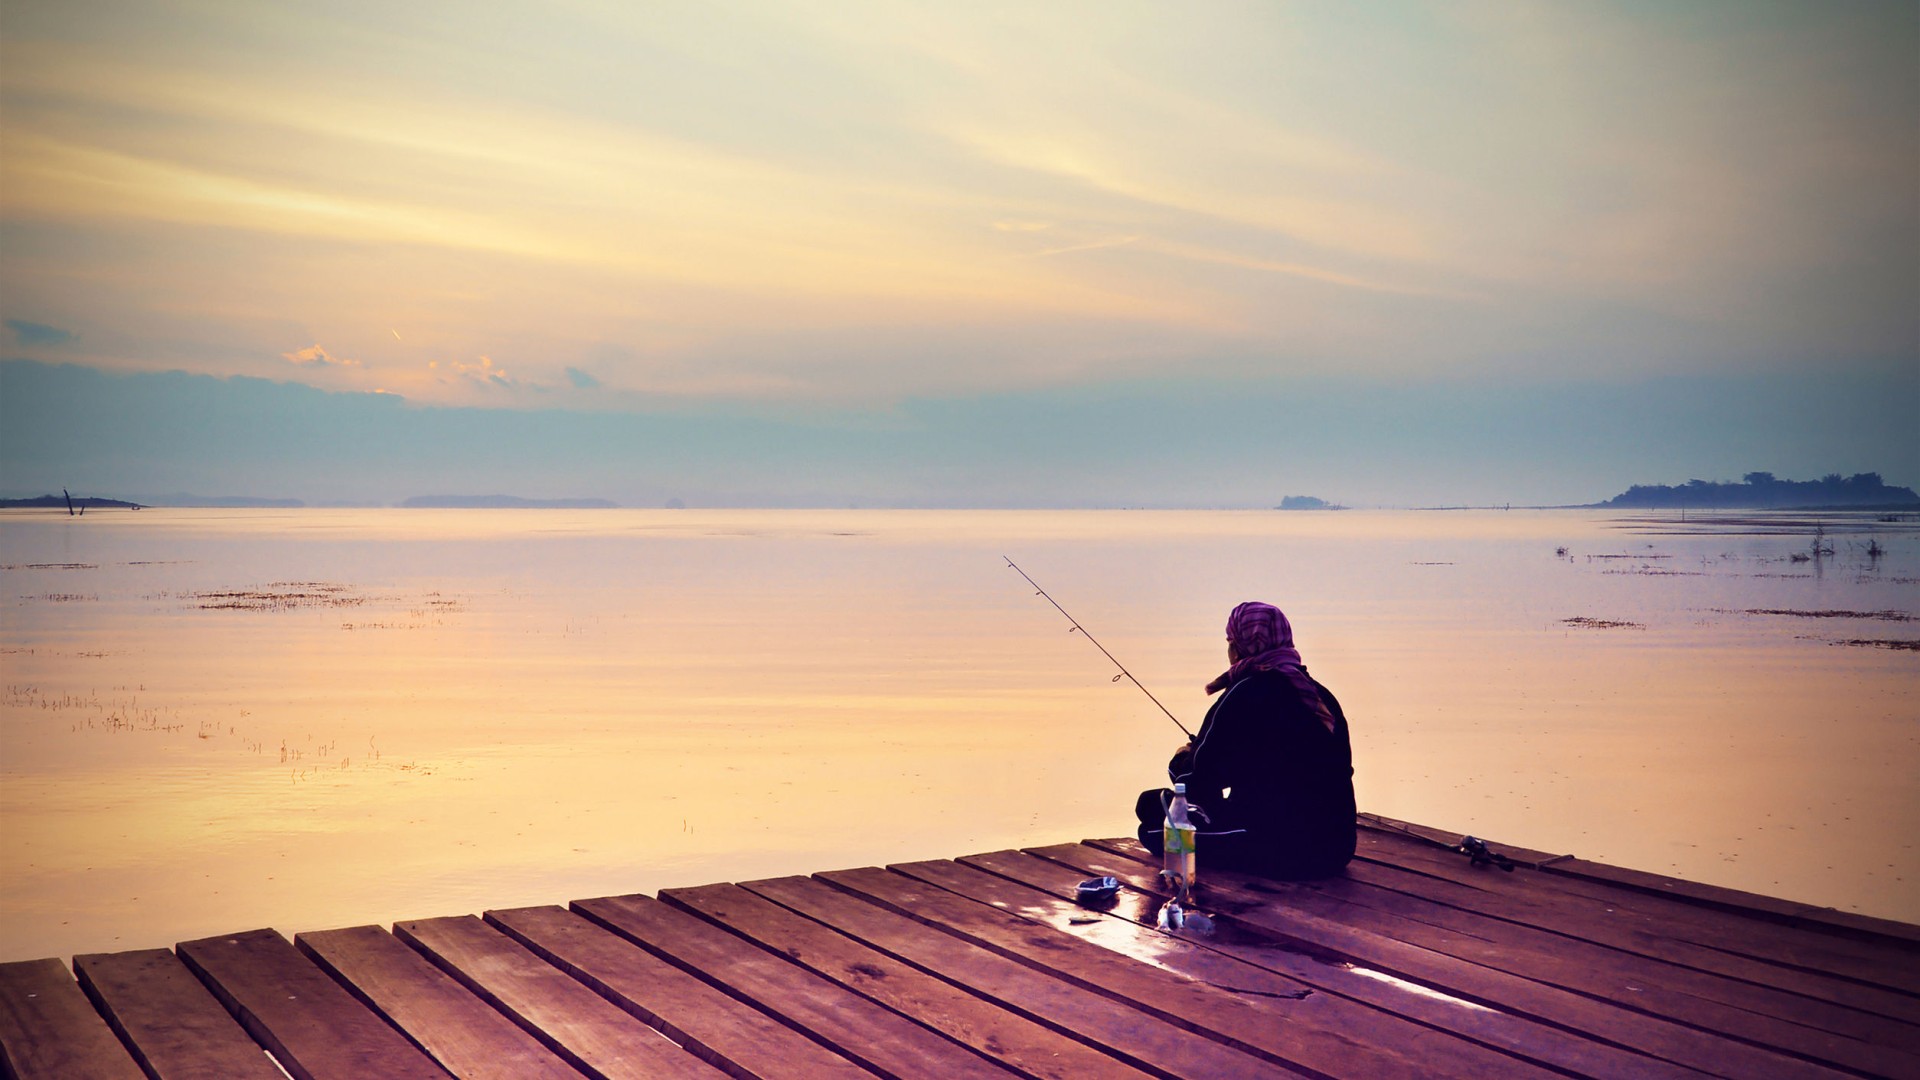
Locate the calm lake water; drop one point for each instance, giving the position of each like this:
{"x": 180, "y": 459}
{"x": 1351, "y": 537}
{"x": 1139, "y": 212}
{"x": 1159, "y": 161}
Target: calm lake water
{"x": 217, "y": 720}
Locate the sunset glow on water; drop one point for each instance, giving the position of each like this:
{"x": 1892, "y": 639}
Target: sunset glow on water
{"x": 314, "y": 718}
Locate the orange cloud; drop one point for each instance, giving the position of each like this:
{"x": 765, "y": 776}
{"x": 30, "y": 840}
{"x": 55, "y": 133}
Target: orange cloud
{"x": 483, "y": 373}
{"x": 315, "y": 356}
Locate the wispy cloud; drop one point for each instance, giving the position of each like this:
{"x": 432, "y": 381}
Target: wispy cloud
{"x": 33, "y": 333}
{"x": 315, "y": 356}
{"x": 482, "y": 372}
{"x": 819, "y": 200}
{"x": 582, "y": 380}
{"x": 1091, "y": 245}
{"x": 1198, "y": 253}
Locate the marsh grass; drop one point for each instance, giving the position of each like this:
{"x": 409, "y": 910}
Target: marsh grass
{"x": 1883, "y": 616}
{"x": 1897, "y": 644}
{"x": 279, "y": 596}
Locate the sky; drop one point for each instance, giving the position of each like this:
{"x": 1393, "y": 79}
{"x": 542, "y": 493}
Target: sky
{"x": 936, "y": 254}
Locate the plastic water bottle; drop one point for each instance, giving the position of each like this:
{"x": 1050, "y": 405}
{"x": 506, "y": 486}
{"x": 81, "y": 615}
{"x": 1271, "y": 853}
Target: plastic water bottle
{"x": 1178, "y": 834}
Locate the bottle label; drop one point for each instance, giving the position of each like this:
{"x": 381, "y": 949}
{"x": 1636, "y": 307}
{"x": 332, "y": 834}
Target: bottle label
{"x": 1179, "y": 840}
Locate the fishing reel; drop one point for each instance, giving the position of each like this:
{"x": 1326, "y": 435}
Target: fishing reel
{"x": 1478, "y": 854}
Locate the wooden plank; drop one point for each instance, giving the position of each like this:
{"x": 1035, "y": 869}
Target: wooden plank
{"x": 1886, "y": 963}
{"x": 1758, "y": 1014}
{"x": 1284, "y": 1034}
{"x": 1224, "y": 958}
{"x": 1789, "y": 912}
{"x": 1601, "y": 924}
{"x": 736, "y": 1038}
{"x": 48, "y": 1030}
{"x": 1140, "y": 1039}
{"x": 171, "y": 1022}
{"x": 1580, "y": 933}
{"x": 1032, "y": 1049}
{"x": 1231, "y": 1018}
{"x": 847, "y": 1023}
{"x": 313, "y": 1027}
{"x": 1362, "y": 943}
{"x": 565, "y": 1016}
{"x": 1438, "y": 1053}
{"x": 468, "y": 1037}
{"x": 1813, "y": 947}
{"x": 1523, "y": 855}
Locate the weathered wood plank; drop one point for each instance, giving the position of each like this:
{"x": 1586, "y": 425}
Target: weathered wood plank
{"x": 468, "y": 1037}
{"x": 1788, "y": 912}
{"x": 1521, "y": 1036}
{"x": 171, "y": 1023}
{"x": 1757, "y": 1014}
{"x": 1413, "y": 963}
{"x": 1136, "y": 1037}
{"x": 1887, "y": 963}
{"x": 847, "y": 1023}
{"x": 1811, "y": 998}
{"x": 49, "y": 1031}
{"x": 735, "y": 1037}
{"x": 1449, "y": 1037}
{"x": 1601, "y": 958}
{"x": 1524, "y": 856}
{"x": 1367, "y": 947}
{"x": 1434, "y": 1053}
{"x": 315, "y": 1029}
{"x": 992, "y": 1031}
{"x": 564, "y": 1015}
{"x": 1283, "y": 1035}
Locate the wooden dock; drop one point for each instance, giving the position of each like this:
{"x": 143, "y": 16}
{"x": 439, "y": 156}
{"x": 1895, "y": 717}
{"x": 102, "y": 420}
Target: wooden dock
{"x": 1416, "y": 964}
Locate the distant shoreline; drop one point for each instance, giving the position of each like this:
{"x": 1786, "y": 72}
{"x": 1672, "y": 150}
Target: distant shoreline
{"x": 1764, "y": 491}
{"x": 61, "y": 502}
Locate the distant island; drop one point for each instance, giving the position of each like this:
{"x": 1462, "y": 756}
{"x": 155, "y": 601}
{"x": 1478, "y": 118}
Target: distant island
{"x": 502, "y": 502}
{"x": 1762, "y": 490}
{"x": 63, "y": 502}
{"x": 1306, "y": 502}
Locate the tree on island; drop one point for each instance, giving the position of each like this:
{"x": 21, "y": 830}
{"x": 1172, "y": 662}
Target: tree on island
{"x": 75, "y": 505}
{"x": 1762, "y": 490}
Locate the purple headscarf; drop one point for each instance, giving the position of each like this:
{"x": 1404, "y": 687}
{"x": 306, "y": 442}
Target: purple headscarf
{"x": 1263, "y": 640}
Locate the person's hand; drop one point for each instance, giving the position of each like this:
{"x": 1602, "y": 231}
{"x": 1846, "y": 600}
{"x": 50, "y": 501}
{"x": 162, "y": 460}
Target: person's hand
{"x": 1182, "y": 761}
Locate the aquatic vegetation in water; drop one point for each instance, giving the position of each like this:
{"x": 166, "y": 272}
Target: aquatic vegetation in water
{"x": 1898, "y": 644}
{"x": 280, "y": 596}
{"x": 1603, "y": 624}
{"x": 1883, "y": 616}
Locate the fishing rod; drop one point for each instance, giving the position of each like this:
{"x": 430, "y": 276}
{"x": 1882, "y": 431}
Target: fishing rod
{"x": 1124, "y": 673}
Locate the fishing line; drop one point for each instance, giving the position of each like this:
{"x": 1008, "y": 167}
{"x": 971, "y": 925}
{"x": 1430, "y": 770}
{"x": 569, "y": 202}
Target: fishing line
{"x": 1124, "y": 673}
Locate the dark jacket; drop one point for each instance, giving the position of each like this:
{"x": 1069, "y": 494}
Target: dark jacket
{"x": 1263, "y": 761}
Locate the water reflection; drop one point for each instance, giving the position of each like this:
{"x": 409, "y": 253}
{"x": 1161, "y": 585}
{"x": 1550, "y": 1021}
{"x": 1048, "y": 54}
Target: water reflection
{"x": 215, "y": 719}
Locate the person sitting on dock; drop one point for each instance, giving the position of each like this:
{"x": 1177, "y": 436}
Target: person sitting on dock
{"x": 1271, "y": 769}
